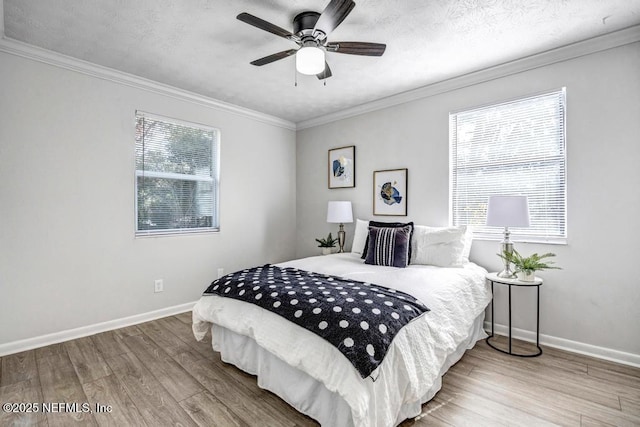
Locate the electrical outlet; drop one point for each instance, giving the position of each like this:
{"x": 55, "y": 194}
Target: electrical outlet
{"x": 159, "y": 285}
{"x": 220, "y": 272}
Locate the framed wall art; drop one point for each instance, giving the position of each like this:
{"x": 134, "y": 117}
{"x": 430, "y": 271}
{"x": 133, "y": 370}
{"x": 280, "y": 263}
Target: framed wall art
{"x": 390, "y": 192}
{"x": 342, "y": 167}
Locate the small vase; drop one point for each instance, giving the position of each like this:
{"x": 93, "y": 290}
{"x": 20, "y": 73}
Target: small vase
{"x": 526, "y": 276}
{"x": 326, "y": 251}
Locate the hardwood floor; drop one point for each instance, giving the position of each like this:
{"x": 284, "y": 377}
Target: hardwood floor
{"x": 157, "y": 374}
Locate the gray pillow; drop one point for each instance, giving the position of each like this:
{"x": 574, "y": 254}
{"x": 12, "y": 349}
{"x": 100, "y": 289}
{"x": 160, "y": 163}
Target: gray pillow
{"x": 387, "y": 224}
{"x": 389, "y": 246}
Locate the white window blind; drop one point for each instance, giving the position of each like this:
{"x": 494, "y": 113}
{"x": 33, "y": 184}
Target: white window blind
{"x": 511, "y": 148}
{"x": 176, "y": 176}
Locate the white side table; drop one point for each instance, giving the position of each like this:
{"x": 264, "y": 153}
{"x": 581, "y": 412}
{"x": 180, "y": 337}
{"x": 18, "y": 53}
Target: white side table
{"x": 537, "y": 282}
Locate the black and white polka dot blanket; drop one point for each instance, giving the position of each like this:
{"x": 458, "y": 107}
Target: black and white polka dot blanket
{"x": 359, "y": 319}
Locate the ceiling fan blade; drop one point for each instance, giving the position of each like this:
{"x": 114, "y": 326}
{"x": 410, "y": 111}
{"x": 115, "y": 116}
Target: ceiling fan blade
{"x": 332, "y": 16}
{"x": 276, "y": 56}
{"x": 357, "y": 48}
{"x": 264, "y": 25}
{"x": 324, "y": 74}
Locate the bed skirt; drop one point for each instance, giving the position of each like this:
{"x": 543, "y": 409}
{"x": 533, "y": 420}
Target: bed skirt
{"x": 308, "y": 395}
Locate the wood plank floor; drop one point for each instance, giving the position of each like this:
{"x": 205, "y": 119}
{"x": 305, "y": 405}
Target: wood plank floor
{"x": 157, "y": 374}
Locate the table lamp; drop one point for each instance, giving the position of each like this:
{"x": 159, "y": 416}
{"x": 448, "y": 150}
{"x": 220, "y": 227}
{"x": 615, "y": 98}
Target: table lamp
{"x": 507, "y": 211}
{"x": 340, "y": 212}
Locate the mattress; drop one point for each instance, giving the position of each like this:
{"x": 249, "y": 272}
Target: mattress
{"x": 411, "y": 370}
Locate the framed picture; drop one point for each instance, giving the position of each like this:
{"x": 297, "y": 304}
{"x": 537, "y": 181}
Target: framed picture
{"x": 342, "y": 167}
{"x": 390, "y": 192}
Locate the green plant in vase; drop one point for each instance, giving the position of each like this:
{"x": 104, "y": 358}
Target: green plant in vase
{"x": 327, "y": 244}
{"x": 526, "y": 267}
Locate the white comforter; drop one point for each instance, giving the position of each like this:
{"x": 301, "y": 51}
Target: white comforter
{"x": 456, "y": 296}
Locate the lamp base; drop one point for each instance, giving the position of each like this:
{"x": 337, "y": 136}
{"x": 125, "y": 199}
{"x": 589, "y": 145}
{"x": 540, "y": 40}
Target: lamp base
{"x": 507, "y": 274}
{"x": 507, "y": 248}
{"x": 341, "y": 238}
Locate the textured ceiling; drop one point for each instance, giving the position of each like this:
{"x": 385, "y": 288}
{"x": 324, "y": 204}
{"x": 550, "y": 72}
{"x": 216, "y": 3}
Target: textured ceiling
{"x": 200, "y": 46}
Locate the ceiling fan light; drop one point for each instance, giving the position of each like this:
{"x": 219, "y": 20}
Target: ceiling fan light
{"x": 310, "y": 60}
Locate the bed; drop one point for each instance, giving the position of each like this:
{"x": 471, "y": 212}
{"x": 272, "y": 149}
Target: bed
{"x": 315, "y": 378}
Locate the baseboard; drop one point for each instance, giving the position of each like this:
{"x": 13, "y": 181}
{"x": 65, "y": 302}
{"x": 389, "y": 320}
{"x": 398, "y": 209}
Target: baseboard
{"x": 568, "y": 345}
{"x": 71, "y": 334}
{"x": 521, "y": 334}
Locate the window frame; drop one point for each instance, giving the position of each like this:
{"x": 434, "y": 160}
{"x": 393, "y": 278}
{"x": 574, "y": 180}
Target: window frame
{"x": 482, "y": 232}
{"x": 215, "y": 179}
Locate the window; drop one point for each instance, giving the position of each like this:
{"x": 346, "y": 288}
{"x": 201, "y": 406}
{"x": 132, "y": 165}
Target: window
{"x": 176, "y": 176}
{"x": 516, "y": 147}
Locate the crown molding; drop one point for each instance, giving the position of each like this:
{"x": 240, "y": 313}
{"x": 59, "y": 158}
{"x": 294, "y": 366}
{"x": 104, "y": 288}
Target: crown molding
{"x": 564, "y": 53}
{"x": 24, "y": 50}
{"x": 1, "y": 19}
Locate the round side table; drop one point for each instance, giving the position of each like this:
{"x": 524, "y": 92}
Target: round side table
{"x": 537, "y": 282}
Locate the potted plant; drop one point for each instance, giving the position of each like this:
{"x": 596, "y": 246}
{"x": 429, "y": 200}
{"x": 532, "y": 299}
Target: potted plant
{"x": 526, "y": 267}
{"x": 327, "y": 244}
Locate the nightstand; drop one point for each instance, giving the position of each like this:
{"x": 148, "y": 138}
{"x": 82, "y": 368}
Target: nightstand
{"x": 493, "y": 278}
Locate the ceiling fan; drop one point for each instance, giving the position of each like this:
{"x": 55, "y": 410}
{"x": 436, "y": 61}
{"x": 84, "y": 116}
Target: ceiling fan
{"x": 310, "y": 31}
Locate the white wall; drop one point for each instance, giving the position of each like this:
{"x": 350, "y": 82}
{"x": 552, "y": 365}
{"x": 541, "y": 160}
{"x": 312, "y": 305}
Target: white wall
{"x": 595, "y": 299}
{"x": 68, "y": 256}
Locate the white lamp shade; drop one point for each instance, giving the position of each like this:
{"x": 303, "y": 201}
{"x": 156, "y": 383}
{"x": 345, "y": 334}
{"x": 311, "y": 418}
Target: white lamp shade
{"x": 310, "y": 60}
{"x": 339, "y": 212}
{"x": 508, "y": 211}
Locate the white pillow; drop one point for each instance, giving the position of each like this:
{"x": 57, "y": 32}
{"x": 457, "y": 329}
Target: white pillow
{"x": 360, "y": 236}
{"x": 468, "y": 241}
{"x": 439, "y": 246}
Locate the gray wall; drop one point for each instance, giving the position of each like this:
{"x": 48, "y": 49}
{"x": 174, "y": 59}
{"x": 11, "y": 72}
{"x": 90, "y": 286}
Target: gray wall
{"x": 594, "y": 300}
{"x": 68, "y": 256}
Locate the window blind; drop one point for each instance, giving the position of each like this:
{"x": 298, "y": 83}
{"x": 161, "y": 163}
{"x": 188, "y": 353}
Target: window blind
{"x": 176, "y": 176}
{"x": 515, "y": 147}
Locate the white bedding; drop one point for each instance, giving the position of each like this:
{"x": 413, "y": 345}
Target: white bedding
{"x": 412, "y": 366}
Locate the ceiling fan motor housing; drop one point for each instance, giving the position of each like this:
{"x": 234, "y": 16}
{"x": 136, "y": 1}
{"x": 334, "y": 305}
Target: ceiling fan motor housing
{"x": 304, "y": 23}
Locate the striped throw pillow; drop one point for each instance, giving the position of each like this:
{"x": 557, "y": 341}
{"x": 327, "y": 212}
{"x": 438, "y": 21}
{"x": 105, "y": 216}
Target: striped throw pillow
{"x": 389, "y": 246}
